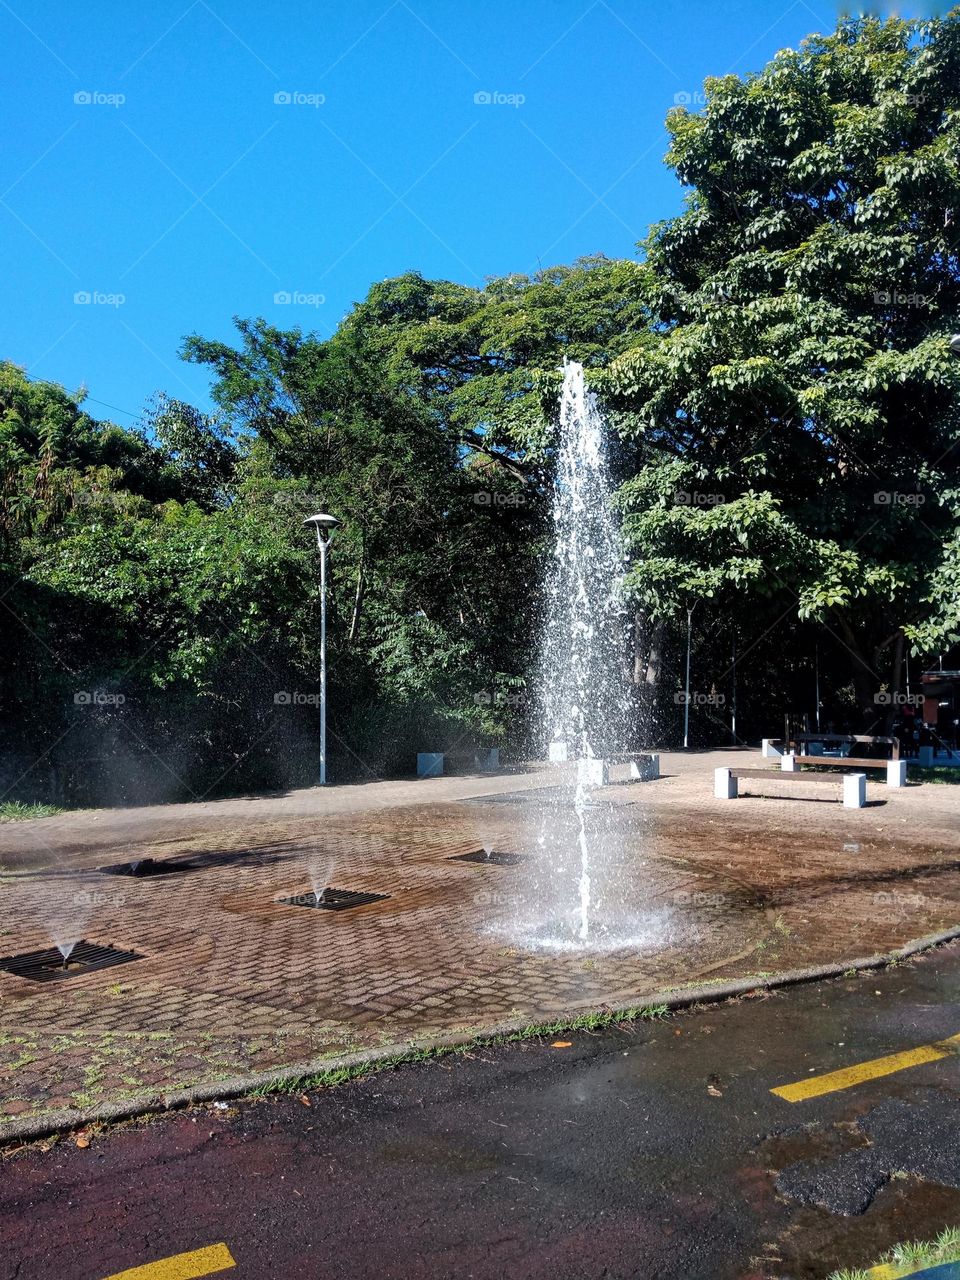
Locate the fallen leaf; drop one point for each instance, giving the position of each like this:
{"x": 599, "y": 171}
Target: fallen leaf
{"x": 714, "y": 1092}
{"x": 82, "y": 1140}
{"x": 561, "y": 1044}
{"x": 305, "y": 1100}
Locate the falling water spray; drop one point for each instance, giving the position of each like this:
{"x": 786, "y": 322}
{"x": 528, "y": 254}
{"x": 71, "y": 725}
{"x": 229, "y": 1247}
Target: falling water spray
{"x": 582, "y": 694}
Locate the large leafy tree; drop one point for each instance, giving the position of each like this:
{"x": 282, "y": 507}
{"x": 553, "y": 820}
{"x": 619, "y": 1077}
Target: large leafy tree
{"x": 800, "y": 408}
{"x": 430, "y": 559}
{"x": 487, "y": 360}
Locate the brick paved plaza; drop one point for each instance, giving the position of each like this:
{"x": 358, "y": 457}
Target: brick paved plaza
{"x": 232, "y": 980}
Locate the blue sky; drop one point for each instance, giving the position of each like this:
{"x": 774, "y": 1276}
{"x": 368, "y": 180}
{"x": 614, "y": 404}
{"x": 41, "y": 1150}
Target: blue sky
{"x": 149, "y": 166}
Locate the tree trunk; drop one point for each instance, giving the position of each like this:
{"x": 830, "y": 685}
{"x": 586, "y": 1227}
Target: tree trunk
{"x": 358, "y": 596}
{"x": 647, "y": 662}
{"x": 866, "y": 682}
{"x": 896, "y": 679}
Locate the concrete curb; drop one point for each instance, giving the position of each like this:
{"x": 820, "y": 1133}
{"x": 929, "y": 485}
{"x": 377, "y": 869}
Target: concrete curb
{"x": 31, "y": 1128}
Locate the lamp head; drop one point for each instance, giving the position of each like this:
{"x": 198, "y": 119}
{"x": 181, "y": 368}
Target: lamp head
{"x": 955, "y": 344}
{"x": 323, "y": 524}
{"x": 322, "y": 521}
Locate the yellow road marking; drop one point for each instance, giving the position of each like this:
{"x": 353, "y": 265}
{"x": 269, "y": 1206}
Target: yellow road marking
{"x": 847, "y": 1077}
{"x": 182, "y": 1266}
{"x": 898, "y": 1271}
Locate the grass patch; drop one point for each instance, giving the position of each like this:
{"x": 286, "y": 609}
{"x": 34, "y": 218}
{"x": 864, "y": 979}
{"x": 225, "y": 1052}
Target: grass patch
{"x": 938, "y": 773}
{"x": 17, "y": 811}
{"x": 916, "y": 1254}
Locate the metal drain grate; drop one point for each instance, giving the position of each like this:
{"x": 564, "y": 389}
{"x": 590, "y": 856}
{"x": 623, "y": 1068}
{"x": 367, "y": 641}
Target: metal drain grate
{"x": 50, "y": 966}
{"x": 335, "y": 899}
{"x": 145, "y": 867}
{"x": 491, "y": 859}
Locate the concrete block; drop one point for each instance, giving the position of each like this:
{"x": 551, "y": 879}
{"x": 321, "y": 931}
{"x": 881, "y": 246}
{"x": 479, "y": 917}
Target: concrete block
{"x": 855, "y": 791}
{"x": 592, "y": 772}
{"x": 429, "y": 764}
{"x": 768, "y": 749}
{"x": 724, "y": 784}
{"x": 788, "y": 763}
{"x": 896, "y": 773}
{"x": 645, "y": 768}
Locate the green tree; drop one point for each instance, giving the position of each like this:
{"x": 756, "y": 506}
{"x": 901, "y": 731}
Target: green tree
{"x": 799, "y": 412}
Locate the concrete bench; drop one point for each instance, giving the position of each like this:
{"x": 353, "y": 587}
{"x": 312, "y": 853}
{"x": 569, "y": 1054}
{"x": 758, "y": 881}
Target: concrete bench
{"x": 644, "y": 765}
{"x": 430, "y": 764}
{"x": 852, "y": 787}
{"x": 595, "y": 771}
{"x": 896, "y": 770}
{"x": 842, "y": 744}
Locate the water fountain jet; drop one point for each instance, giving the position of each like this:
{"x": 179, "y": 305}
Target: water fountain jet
{"x": 579, "y": 898}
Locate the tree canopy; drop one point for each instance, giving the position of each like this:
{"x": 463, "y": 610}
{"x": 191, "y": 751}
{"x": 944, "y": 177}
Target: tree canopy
{"x": 784, "y": 432}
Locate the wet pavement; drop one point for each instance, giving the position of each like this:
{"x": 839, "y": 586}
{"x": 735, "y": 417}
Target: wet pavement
{"x": 654, "y": 1149}
{"x": 233, "y": 980}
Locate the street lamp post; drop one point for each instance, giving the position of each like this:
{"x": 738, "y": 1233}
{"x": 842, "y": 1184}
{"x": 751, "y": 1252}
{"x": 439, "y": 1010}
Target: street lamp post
{"x": 324, "y": 526}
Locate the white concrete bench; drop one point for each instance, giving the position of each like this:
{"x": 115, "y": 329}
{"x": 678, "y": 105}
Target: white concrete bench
{"x": 595, "y": 772}
{"x": 430, "y": 763}
{"x": 896, "y": 770}
{"x": 853, "y": 786}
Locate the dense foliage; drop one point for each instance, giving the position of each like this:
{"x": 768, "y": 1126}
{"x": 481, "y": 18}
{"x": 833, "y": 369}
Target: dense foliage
{"x": 802, "y": 401}
{"x": 784, "y": 432}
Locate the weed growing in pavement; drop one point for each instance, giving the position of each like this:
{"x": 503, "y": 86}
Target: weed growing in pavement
{"x": 343, "y": 1074}
{"x": 17, "y": 811}
{"x": 914, "y": 1253}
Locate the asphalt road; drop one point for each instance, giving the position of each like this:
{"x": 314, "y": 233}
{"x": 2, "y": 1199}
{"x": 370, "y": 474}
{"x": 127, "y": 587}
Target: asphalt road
{"x": 656, "y": 1150}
